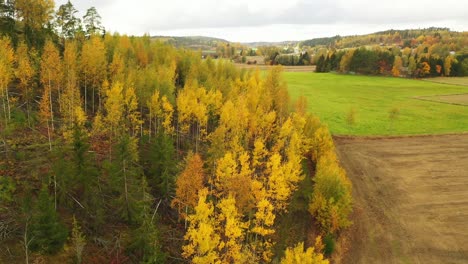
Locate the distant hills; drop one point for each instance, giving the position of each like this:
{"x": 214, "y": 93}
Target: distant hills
{"x": 191, "y": 42}
{"x": 387, "y": 37}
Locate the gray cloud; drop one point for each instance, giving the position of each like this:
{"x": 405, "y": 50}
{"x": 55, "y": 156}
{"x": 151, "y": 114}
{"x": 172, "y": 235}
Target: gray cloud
{"x": 139, "y": 16}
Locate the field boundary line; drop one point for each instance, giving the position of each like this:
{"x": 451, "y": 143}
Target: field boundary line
{"x": 456, "y": 84}
{"x": 424, "y": 98}
{"x": 380, "y": 137}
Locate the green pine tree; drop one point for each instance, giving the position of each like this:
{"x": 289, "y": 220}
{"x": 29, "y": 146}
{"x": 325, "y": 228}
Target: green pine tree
{"x": 145, "y": 240}
{"x": 47, "y": 233}
{"x": 163, "y": 165}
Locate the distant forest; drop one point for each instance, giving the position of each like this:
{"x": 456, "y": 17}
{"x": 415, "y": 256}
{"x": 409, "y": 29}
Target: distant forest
{"x": 412, "y": 53}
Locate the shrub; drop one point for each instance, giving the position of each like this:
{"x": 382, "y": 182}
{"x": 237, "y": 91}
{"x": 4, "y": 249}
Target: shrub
{"x": 351, "y": 117}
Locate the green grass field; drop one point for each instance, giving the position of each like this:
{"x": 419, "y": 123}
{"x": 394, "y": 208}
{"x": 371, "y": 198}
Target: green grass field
{"x": 332, "y": 96}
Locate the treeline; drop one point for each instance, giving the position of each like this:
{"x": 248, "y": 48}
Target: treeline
{"x": 284, "y": 56}
{"x": 33, "y": 22}
{"x": 129, "y": 150}
{"x": 411, "y": 38}
{"x": 399, "y": 63}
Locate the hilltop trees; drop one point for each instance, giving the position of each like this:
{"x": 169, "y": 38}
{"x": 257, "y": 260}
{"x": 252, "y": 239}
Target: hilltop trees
{"x": 68, "y": 24}
{"x": 425, "y": 53}
{"x": 92, "y": 22}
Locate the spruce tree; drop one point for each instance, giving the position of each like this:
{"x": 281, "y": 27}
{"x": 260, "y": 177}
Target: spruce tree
{"x": 145, "y": 239}
{"x": 162, "y": 165}
{"x": 48, "y": 234}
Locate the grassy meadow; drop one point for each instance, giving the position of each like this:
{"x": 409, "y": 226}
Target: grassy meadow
{"x": 362, "y": 105}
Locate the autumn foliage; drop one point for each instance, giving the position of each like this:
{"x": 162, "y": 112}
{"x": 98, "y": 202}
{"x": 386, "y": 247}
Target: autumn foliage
{"x": 222, "y": 149}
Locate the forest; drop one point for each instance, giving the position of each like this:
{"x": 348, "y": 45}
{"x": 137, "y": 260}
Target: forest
{"x": 119, "y": 149}
{"x": 429, "y": 52}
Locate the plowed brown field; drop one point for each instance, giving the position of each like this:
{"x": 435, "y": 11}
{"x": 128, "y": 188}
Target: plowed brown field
{"x": 411, "y": 199}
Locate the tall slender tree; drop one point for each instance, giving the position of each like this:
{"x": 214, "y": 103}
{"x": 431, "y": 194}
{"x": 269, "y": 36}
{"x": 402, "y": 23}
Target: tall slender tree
{"x": 25, "y": 73}
{"x": 66, "y": 20}
{"x": 92, "y": 22}
{"x": 51, "y": 74}
{"x": 6, "y": 75}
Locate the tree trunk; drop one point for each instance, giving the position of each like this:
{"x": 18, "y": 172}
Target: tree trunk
{"x": 85, "y": 94}
{"x": 8, "y": 102}
{"x": 26, "y": 243}
{"x": 28, "y": 110}
{"x": 93, "y": 99}
{"x": 5, "y": 111}
{"x": 55, "y": 192}
{"x": 48, "y": 134}
{"x": 51, "y": 112}
{"x": 150, "y": 120}
{"x": 185, "y": 218}
{"x": 126, "y": 189}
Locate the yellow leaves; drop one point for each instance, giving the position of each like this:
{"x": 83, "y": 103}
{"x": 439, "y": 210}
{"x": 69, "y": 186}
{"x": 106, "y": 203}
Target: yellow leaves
{"x": 6, "y": 62}
{"x": 397, "y": 66}
{"x": 425, "y": 68}
{"x": 131, "y": 106}
{"x": 448, "y": 65}
{"x": 80, "y": 116}
{"x": 93, "y": 61}
{"x": 117, "y": 68}
{"x": 263, "y": 226}
{"x": 44, "y": 106}
{"x": 168, "y": 111}
{"x": 202, "y": 235}
{"x": 264, "y": 218}
{"x": 282, "y": 180}
{"x": 331, "y": 199}
{"x": 154, "y": 105}
{"x": 114, "y": 106}
{"x": 51, "y": 66}
{"x": 232, "y": 227}
{"x": 301, "y": 105}
{"x": 346, "y": 60}
{"x": 24, "y": 70}
{"x": 35, "y": 13}
{"x": 188, "y": 183}
{"x": 297, "y": 255}
{"x": 234, "y": 177}
{"x": 121, "y": 105}
{"x": 259, "y": 153}
{"x": 322, "y": 143}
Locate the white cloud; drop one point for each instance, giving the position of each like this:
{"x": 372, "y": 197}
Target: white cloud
{"x": 254, "y": 20}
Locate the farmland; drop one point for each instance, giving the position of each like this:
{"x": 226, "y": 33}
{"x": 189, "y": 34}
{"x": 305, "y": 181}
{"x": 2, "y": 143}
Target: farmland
{"x": 408, "y": 191}
{"x": 410, "y": 198}
{"x": 333, "y": 96}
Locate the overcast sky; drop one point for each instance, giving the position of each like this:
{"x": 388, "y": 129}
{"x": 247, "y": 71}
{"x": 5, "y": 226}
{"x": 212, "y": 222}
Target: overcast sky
{"x": 273, "y": 20}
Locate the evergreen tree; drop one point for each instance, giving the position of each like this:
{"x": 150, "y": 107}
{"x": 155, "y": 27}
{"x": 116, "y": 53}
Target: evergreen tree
{"x": 84, "y": 170}
{"x": 125, "y": 174}
{"x": 163, "y": 164}
{"x": 7, "y": 19}
{"x": 48, "y": 234}
{"x": 320, "y": 64}
{"x": 67, "y": 23}
{"x": 145, "y": 240}
{"x": 92, "y": 22}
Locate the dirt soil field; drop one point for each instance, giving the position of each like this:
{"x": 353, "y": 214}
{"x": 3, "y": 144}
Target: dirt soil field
{"x": 456, "y": 99}
{"x": 411, "y": 199}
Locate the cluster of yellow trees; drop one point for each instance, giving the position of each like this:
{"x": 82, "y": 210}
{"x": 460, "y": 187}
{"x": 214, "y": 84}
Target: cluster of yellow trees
{"x": 240, "y": 141}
